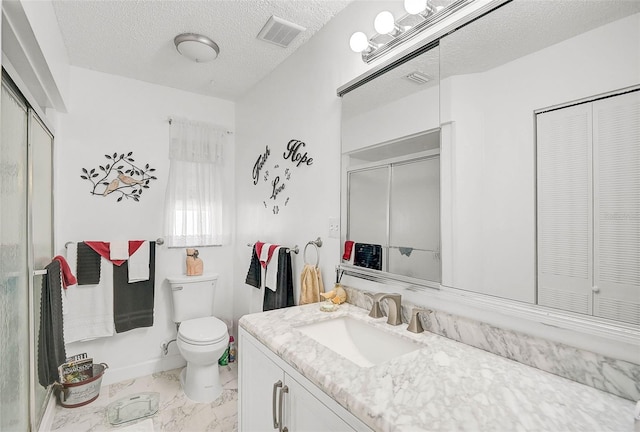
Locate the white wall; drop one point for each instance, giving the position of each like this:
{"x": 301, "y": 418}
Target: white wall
{"x": 110, "y": 114}
{"x": 298, "y": 100}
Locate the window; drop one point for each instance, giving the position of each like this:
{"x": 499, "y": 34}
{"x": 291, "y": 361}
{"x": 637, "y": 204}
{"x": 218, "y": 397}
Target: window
{"x": 194, "y": 208}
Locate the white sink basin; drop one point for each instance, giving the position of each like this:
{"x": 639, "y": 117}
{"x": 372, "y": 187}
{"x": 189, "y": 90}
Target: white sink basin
{"x": 363, "y": 344}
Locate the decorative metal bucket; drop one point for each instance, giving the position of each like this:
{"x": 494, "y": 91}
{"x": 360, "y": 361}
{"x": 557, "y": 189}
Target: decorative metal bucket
{"x": 73, "y": 395}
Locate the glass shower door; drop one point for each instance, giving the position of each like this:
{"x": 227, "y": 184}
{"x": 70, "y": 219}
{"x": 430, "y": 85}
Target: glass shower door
{"x": 14, "y": 274}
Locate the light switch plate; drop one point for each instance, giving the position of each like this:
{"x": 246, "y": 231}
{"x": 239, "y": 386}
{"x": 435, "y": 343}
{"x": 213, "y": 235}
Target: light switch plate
{"x": 334, "y": 227}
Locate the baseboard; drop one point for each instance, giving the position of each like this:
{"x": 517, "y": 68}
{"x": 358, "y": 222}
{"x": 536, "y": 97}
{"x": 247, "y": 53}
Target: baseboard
{"x": 114, "y": 375}
{"x": 46, "y": 422}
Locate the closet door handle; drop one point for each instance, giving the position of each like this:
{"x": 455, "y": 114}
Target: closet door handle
{"x": 284, "y": 390}
{"x": 273, "y": 403}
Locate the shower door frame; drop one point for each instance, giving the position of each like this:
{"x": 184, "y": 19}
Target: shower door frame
{"x": 36, "y": 413}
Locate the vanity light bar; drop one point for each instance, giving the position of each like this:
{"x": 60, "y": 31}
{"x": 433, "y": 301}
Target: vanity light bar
{"x": 372, "y": 50}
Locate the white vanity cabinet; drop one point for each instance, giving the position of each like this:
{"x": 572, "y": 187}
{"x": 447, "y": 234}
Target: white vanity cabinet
{"x": 274, "y": 396}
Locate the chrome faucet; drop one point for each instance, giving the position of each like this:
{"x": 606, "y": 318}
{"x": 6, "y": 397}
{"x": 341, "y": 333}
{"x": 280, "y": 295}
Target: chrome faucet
{"x": 395, "y": 308}
{"x": 415, "y": 325}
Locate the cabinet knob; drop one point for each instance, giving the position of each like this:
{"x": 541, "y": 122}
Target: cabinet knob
{"x": 595, "y": 289}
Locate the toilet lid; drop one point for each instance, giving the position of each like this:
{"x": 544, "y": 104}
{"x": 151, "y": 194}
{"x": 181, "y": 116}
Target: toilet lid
{"x": 203, "y": 331}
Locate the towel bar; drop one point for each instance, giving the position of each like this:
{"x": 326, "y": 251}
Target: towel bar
{"x": 159, "y": 242}
{"x": 294, "y": 249}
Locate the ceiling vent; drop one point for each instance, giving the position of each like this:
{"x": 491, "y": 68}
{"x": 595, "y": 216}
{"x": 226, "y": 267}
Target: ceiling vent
{"x": 279, "y": 31}
{"x": 418, "y": 77}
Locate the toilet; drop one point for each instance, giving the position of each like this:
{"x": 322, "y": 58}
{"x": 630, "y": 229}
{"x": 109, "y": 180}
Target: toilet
{"x": 202, "y": 338}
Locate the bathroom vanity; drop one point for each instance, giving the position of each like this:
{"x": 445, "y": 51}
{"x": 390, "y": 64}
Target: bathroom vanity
{"x": 439, "y": 385}
{"x": 275, "y": 395}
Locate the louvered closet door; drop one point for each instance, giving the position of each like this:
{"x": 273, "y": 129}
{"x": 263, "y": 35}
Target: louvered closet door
{"x": 616, "y": 147}
{"x": 565, "y": 209}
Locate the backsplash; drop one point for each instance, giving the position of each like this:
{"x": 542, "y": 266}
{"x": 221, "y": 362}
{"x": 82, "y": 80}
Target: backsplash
{"x": 618, "y": 377}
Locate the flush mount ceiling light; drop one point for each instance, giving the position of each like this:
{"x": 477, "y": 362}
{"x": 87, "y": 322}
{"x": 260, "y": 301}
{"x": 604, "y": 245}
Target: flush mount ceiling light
{"x": 421, "y": 14}
{"x": 196, "y": 47}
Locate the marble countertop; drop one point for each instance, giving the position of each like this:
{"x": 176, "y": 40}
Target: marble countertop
{"x": 444, "y": 386}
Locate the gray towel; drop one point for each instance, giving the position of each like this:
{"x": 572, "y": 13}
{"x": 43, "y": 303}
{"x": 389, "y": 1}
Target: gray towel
{"x": 87, "y": 265}
{"x": 254, "y": 275}
{"x": 133, "y": 302}
{"x": 51, "y": 351}
{"x": 283, "y": 295}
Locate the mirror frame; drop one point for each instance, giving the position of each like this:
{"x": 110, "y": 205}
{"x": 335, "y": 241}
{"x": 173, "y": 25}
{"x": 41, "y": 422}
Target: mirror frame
{"x": 614, "y": 339}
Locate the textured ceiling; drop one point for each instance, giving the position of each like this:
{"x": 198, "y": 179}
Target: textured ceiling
{"x": 134, "y": 38}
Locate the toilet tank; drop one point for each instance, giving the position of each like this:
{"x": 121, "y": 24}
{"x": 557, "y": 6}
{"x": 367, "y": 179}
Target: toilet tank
{"x": 192, "y": 296}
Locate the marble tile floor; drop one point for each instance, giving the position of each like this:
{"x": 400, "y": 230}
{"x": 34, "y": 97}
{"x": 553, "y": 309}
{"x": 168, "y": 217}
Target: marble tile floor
{"x": 176, "y": 412}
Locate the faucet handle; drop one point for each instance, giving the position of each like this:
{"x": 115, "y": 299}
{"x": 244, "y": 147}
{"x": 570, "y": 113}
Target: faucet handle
{"x": 415, "y": 325}
{"x": 375, "y": 311}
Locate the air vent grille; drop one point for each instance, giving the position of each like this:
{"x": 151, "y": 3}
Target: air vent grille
{"x": 418, "y": 77}
{"x": 279, "y": 31}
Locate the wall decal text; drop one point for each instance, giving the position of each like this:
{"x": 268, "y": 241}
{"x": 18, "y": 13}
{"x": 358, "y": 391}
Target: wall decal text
{"x": 262, "y": 159}
{"x": 294, "y": 152}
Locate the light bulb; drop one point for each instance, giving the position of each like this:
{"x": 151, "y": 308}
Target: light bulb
{"x": 358, "y": 42}
{"x": 414, "y": 7}
{"x": 384, "y": 22}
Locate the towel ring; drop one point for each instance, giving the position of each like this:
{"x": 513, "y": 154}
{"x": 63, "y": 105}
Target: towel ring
{"x": 316, "y": 244}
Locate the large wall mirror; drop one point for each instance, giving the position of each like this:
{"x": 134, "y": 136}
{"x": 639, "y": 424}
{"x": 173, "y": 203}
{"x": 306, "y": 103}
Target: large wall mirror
{"x": 520, "y": 219}
{"x": 505, "y": 81}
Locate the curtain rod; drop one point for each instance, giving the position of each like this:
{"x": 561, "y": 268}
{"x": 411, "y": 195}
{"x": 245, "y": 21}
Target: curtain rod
{"x": 228, "y": 132}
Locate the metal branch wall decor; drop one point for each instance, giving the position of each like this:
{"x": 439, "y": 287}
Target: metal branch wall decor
{"x": 278, "y": 176}
{"x": 120, "y": 176}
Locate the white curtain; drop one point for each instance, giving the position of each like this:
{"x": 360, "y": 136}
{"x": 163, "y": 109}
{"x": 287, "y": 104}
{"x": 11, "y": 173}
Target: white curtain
{"x": 194, "y": 207}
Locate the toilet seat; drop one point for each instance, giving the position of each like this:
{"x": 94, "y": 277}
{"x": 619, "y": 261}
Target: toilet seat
{"x": 203, "y": 331}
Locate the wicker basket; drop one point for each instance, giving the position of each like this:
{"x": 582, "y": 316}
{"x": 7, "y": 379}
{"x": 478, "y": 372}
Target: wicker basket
{"x": 73, "y": 395}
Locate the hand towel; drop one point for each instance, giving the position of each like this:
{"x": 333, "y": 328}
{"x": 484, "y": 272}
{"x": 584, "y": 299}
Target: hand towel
{"x": 348, "y": 247}
{"x": 254, "y": 277}
{"x": 51, "y": 348}
{"x": 119, "y": 250}
{"x": 271, "y": 270}
{"x": 283, "y": 295}
{"x": 89, "y": 308}
{"x": 310, "y": 284}
{"x": 104, "y": 249}
{"x": 67, "y": 276}
{"x": 133, "y": 302}
{"x": 139, "y": 264}
{"x": 86, "y": 262}
{"x": 265, "y": 252}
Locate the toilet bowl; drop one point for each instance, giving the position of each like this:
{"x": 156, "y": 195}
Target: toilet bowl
{"x": 202, "y": 341}
{"x": 202, "y": 338}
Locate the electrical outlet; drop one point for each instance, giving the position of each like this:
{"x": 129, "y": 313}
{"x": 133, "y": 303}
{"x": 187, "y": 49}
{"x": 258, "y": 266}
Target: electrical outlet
{"x": 334, "y": 227}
